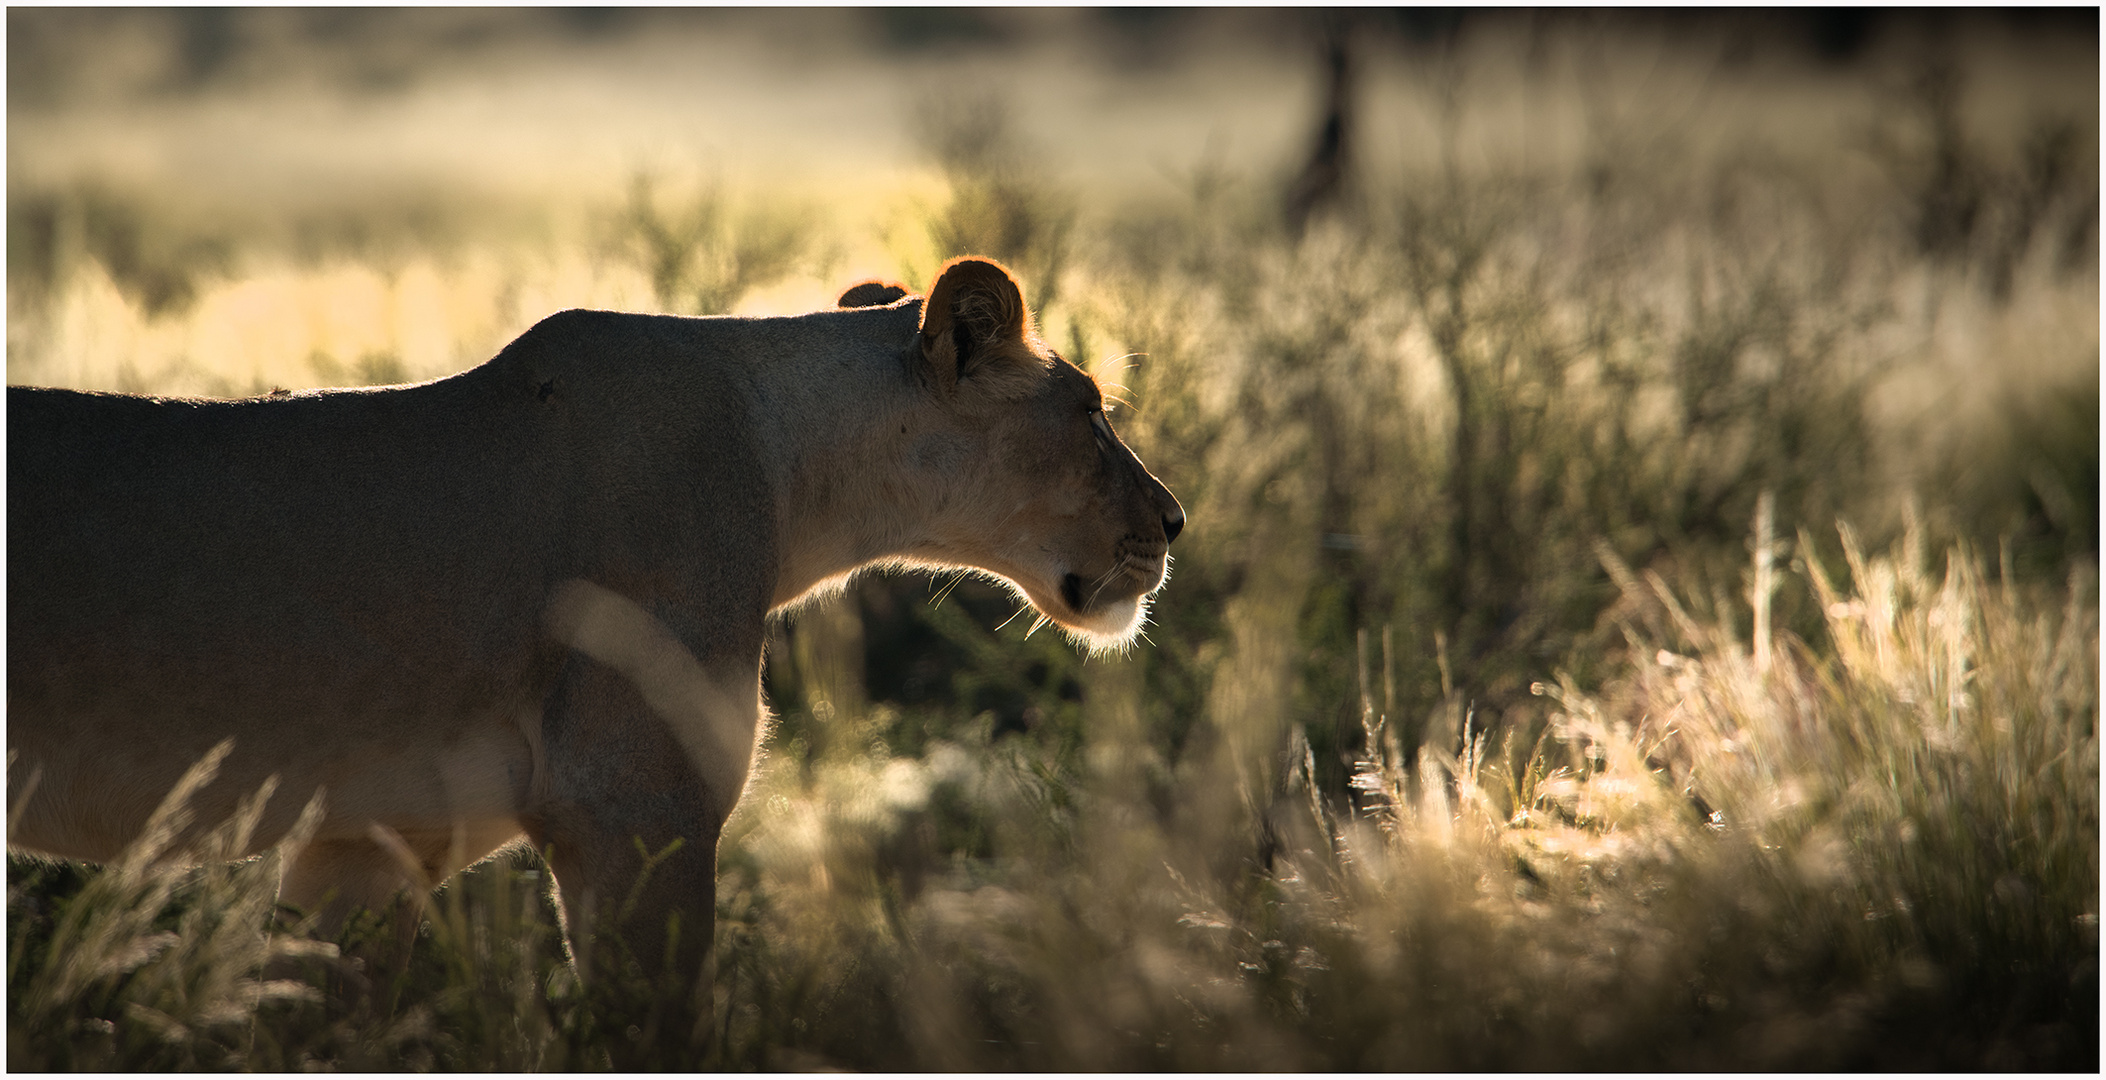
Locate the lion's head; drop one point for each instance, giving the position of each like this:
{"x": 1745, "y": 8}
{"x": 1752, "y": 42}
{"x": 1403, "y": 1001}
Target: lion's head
{"x": 1034, "y": 485}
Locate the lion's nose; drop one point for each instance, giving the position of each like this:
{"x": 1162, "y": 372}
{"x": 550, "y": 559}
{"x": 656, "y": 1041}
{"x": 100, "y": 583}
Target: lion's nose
{"x": 1173, "y": 523}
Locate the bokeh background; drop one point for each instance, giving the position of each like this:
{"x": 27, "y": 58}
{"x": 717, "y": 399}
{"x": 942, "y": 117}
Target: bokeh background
{"x": 1639, "y": 608}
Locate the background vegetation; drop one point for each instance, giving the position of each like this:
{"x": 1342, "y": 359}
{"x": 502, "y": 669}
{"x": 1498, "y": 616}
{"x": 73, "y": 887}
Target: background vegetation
{"x": 1639, "y": 609}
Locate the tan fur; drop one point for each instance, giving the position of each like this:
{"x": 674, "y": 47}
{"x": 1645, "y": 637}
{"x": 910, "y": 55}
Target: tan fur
{"x": 528, "y": 600}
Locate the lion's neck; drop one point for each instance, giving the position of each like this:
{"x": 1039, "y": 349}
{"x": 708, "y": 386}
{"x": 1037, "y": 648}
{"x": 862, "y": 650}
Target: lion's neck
{"x": 830, "y": 428}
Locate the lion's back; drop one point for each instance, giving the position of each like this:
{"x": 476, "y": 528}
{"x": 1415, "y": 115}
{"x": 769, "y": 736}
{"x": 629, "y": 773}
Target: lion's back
{"x": 193, "y": 555}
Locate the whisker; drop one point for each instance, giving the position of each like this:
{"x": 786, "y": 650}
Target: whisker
{"x": 1040, "y": 621}
{"x": 1106, "y": 580}
{"x": 1012, "y": 618}
{"x": 947, "y": 589}
{"x": 1104, "y": 383}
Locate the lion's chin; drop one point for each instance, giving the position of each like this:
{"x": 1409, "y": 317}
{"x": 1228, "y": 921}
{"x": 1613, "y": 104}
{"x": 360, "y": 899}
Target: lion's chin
{"x": 1110, "y": 626}
{"x": 1109, "y": 629}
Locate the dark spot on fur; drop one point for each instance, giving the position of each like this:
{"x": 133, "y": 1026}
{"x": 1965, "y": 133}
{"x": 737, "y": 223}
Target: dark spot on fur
{"x": 1071, "y": 591}
{"x": 548, "y": 389}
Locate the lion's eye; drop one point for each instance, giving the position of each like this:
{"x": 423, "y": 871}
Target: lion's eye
{"x": 1100, "y": 425}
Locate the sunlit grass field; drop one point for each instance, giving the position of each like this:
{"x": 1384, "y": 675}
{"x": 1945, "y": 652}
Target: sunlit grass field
{"x": 1639, "y": 608}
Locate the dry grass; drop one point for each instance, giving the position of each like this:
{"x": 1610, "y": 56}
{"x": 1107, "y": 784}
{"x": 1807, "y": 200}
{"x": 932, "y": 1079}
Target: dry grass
{"x": 1469, "y": 734}
{"x": 1882, "y": 857}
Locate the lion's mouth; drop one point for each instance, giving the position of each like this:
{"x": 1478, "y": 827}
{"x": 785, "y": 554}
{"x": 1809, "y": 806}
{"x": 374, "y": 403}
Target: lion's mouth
{"x": 1103, "y": 612}
{"x": 1130, "y": 579}
{"x": 1071, "y": 591}
{"x": 1134, "y": 576}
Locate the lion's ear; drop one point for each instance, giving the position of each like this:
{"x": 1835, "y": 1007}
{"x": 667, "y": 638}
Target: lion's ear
{"x": 870, "y": 294}
{"x": 973, "y": 324}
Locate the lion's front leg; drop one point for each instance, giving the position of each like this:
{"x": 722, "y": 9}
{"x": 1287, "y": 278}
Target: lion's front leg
{"x": 638, "y": 890}
{"x": 629, "y": 824}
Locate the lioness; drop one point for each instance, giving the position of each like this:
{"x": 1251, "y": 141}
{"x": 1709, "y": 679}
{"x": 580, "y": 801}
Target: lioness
{"x": 529, "y": 599}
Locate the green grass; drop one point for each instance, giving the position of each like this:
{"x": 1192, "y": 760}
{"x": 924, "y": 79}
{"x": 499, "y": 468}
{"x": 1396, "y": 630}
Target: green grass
{"x": 1639, "y": 612}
